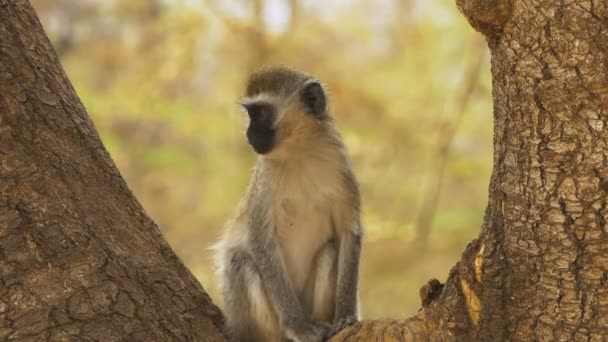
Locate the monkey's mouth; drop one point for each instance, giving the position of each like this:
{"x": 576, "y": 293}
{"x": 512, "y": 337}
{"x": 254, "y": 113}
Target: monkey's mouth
{"x": 261, "y": 139}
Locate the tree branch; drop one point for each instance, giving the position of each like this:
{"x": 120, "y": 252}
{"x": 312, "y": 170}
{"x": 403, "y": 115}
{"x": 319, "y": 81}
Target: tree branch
{"x": 79, "y": 257}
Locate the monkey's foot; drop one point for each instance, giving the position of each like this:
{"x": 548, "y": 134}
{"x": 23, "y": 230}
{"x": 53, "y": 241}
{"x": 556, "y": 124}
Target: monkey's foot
{"x": 343, "y": 323}
{"x": 315, "y": 332}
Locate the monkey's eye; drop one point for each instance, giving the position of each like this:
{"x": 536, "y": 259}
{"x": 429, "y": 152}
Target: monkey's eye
{"x": 259, "y": 111}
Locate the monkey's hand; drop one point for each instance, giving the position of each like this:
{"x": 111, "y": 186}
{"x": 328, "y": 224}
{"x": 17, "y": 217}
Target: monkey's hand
{"x": 315, "y": 332}
{"x": 342, "y": 323}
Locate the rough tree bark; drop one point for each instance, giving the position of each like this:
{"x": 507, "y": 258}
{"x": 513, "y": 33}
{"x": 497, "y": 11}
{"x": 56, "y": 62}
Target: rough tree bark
{"x": 539, "y": 270}
{"x": 79, "y": 258}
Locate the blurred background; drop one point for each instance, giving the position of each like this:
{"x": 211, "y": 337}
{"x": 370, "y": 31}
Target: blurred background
{"x": 409, "y": 85}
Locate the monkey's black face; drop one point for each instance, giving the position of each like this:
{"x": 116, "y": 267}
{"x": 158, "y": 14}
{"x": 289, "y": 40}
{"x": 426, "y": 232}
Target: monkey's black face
{"x": 261, "y": 133}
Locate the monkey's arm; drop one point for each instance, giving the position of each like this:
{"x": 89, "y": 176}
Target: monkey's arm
{"x": 346, "y": 311}
{"x": 281, "y": 295}
{"x": 350, "y": 233}
{"x": 274, "y": 276}
{"x": 266, "y": 254}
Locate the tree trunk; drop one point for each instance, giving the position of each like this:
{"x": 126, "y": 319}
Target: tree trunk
{"x": 79, "y": 257}
{"x": 539, "y": 270}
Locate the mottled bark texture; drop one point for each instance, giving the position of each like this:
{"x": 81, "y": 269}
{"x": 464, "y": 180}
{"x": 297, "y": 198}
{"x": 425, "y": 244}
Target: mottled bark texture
{"x": 539, "y": 270}
{"x": 79, "y": 258}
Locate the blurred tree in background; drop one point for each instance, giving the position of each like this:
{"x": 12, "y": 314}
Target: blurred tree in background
{"x": 409, "y": 87}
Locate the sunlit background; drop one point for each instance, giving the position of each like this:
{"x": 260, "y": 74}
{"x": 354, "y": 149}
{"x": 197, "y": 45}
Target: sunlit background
{"x": 409, "y": 86}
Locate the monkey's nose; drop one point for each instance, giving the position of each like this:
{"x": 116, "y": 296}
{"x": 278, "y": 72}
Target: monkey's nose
{"x": 261, "y": 139}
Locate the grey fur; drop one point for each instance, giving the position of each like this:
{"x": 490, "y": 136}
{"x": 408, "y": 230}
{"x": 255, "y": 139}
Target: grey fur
{"x": 289, "y": 260}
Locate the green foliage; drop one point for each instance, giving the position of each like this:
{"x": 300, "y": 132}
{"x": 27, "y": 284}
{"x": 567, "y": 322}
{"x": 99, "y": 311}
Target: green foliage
{"x": 161, "y": 81}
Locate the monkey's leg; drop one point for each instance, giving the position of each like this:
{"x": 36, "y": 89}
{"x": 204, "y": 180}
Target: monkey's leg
{"x": 324, "y": 286}
{"x": 249, "y": 315}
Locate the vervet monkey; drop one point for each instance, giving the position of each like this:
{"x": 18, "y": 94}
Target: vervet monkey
{"x": 288, "y": 262}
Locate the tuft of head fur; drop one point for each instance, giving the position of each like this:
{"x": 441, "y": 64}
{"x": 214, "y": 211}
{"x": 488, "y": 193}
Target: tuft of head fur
{"x": 278, "y": 81}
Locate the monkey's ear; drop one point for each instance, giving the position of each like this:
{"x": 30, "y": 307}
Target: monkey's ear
{"x": 313, "y": 97}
